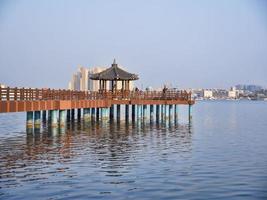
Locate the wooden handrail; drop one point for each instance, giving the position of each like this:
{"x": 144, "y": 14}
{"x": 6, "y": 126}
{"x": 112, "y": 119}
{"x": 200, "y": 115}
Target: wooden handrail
{"x": 22, "y": 94}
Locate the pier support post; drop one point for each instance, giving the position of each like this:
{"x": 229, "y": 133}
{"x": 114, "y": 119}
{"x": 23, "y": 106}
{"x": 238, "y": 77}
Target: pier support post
{"x": 189, "y": 113}
{"x": 49, "y": 116}
{"x": 68, "y": 115}
{"x": 144, "y": 112}
{"x": 151, "y": 113}
{"x": 54, "y": 118}
{"x": 78, "y": 113}
{"x": 62, "y": 117}
{"x": 29, "y": 119}
{"x": 37, "y": 118}
{"x": 44, "y": 115}
{"x": 127, "y": 112}
{"x": 170, "y": 113}
{"x": 87, "y": 114}
{"x": 72, "y": 114}
{"x": 176, "y": 112}
{"x": 105, "y": 113}
{"x": 133, "y": 112}
{"x": 111, "y": 112}
{"x": 157, "y": 113}
{"x": 118, "y": 112}
{"x": 97, "y": 114}
{"x": 93, "y": 114}
{"x": 138, "y": 112}
{"x": 162, "y": 112}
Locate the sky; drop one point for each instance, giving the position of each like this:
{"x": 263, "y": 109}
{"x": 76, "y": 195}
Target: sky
{"x": 182, "y": 43}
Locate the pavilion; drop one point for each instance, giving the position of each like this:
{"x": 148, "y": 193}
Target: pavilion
{"x": 114, "y": 74}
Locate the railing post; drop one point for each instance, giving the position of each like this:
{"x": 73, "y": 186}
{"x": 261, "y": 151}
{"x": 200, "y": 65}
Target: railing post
{"x": 7, "y": 94}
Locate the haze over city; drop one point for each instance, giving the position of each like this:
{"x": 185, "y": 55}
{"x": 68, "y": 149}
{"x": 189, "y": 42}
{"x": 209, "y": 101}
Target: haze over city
{"x": 187, "y": 43}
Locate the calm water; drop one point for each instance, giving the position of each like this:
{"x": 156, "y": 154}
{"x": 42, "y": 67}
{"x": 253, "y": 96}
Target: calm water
{"x": 222, "y": 155}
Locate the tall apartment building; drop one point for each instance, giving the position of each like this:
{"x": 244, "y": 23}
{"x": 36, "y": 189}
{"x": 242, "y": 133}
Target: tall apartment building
{"x": 81, "y": 79}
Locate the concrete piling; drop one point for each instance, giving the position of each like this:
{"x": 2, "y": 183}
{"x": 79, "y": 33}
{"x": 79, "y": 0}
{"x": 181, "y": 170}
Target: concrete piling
{"x": 54, "y": 118}
{"x": 118, "y": 112}
{"x": 93, "y": 114}
{"x": 111, "y": 112}
{"x": 29, "y": 119}
{"x": 157, "y": 113}
{"x": 37, "y": 118}
{"x": 127, "y": 112}
{"x": 133, "y": 112}
{"x": 62, "y": 117}
{"x": 44, "y": 115}
{"x": 151, "y": 113}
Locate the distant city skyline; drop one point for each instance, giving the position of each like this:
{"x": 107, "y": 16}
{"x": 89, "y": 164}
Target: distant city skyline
{"x": 188, "y": 44}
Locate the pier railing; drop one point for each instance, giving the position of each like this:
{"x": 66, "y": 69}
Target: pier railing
{"x": 30, "y": 94}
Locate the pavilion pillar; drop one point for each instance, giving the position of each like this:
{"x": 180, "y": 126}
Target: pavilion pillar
{"x": 37, "y": 118}
{"x": 157, "y": 113}
{"x": 29, "y": 119}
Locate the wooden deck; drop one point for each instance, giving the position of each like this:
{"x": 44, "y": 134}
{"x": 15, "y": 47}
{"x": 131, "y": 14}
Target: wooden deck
{"x": 28, "y": 99}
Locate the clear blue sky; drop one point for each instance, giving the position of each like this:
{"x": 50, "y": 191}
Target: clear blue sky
{"x": 189, "y": 43}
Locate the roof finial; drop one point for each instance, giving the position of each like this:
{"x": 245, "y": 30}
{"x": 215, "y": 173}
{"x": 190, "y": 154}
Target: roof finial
{"x": 114, "y": 61}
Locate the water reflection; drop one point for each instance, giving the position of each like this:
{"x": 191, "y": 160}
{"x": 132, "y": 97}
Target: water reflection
{"x": 109, "y": 148}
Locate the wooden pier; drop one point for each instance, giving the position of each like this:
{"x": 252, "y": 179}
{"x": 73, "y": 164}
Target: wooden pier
{"x": 60, "y": 106}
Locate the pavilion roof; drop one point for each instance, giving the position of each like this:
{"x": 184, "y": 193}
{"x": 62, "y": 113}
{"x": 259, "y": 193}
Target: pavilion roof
{"x": 114, "y": 73}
